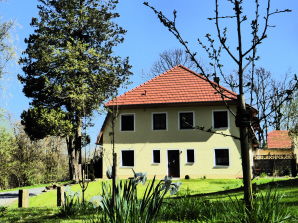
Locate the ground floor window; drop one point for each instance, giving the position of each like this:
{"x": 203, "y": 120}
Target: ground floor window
{"x": 156, "y": 156}
{"x": 128, "y": 158}
{"x": 222, "y": 157}
{"x": 190, "y": 156}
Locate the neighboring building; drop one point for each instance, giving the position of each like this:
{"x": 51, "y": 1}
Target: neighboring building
{"x": 279, "y": 157}
{"x": 278, "y": 143}
{"x": 155, "y": 129}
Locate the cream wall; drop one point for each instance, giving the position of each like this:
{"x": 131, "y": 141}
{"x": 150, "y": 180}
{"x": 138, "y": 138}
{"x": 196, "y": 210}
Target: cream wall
{"x": 144, "y": 140}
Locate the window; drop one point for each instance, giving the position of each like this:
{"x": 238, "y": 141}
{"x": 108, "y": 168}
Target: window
{"x": 127, "y": 122}
{"x": 156, "y": 156}
{"x": 128, "y": 158}
{"x": 186, "y": 120}
{"x": 159, "y": 121}
{"x": 220, "y": 119}
{"x": 190, "y": 156}
{"x": 222, "y": 157}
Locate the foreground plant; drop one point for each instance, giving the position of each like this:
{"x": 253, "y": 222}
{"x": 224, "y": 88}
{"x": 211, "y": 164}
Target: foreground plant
{"x": 2, "y": 211}
{"x": 266, "y": 208}
{"x": 74, "y": 206}
{"x": 126, "y": 207}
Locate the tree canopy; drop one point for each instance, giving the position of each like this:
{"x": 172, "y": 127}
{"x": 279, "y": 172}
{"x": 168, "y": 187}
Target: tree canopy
{"x": 69, "y": 66}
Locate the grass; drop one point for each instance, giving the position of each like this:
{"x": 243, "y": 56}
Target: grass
{"x": 43, "y": 206}
{"x": 33, "y": 186}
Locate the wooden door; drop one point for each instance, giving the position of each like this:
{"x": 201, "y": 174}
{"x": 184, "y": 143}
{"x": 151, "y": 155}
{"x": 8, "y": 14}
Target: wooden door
{"x": 173, "y": 163}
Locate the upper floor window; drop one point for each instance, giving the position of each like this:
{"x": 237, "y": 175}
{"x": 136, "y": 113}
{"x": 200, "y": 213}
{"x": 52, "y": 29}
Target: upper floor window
{"x": 222, "y": 157}
{"x": 159, "y": 121}
{"x": 220, "y": 119}
{"x": 127, "y": 122}
{"x": 186, "y": 120}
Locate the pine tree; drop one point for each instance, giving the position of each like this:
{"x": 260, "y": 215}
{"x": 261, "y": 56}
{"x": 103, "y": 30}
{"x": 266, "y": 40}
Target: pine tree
{"x": 70, "y": 68}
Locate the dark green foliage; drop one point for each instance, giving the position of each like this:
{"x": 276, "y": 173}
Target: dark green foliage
{"x": 70, "y": 67}
{"x": 2, "y": 211}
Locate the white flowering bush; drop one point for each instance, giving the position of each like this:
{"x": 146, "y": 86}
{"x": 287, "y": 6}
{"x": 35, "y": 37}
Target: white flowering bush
{"x": 125, "y": 207}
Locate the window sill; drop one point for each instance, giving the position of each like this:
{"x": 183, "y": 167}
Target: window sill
{"x": 155, "y": 164}
{"x": 221, "y": 167}
{"x": 221, "y": 129}
{"x": 159, "y": 130}
{"x": 126, "y": 167}
{"x": 190, "y": 163}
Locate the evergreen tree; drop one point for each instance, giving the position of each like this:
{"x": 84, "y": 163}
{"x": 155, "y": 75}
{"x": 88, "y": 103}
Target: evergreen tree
{"x": 70, "y": 68}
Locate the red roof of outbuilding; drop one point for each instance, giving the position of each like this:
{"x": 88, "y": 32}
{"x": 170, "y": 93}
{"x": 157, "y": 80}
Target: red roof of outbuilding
{"x": 177, "y": 85}
{"x": 279, "y": 139}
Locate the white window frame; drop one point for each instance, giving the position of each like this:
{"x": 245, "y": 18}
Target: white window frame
{"x": 152, "y": 122}
{"x": 194, "y": 157}
{"x": 228, "y": 117}
{"x": 134, "y": 122}
{"x": 221, "y": 166}
{"x": 193, "y": 119}
{"x": 121, "y": 158}
{"x": 154, "y": 163}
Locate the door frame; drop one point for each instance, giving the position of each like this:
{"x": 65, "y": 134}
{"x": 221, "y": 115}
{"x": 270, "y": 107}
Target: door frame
{"x": 167, "y": 163}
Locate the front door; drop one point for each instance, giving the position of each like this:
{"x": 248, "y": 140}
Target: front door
{"x": 173, "y": 163}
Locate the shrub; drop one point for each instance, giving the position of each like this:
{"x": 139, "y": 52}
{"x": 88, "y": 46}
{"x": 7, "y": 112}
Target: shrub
{"x": 2, "y": 211}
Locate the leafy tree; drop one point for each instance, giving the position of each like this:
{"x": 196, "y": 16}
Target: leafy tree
{"x": 70, "y": 68}
{"x": 7, "y": 145}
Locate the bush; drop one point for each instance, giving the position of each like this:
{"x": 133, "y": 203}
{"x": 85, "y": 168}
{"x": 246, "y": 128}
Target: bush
{"x": 2, "y": 211}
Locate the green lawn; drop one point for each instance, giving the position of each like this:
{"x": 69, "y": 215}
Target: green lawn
{"x": 33, "y": 186}
{"x": 42, "y": 207}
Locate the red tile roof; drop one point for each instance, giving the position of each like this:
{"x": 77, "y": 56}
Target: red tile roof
{"x": 177, "y": 85}
{"x": 279, "y": 139}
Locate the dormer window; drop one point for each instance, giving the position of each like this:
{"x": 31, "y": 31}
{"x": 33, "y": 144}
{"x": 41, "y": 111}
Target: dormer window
{"x": 186, "y": 120}
{"x": 127, "y": 122}
{"x": 159, "y": 121}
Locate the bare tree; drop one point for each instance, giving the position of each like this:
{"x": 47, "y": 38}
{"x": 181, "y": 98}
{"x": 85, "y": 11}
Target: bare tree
{"x": 6, "y": 50}
{"x": 170, "y": 58}
{"x": 242, "y": 58}
{"x": 290, "y": 112}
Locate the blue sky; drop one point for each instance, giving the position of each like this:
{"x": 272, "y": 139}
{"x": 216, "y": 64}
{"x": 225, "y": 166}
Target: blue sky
{"x": 146, "y": 38}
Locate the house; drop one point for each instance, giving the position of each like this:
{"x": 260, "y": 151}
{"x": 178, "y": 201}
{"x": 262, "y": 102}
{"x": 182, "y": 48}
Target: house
{"x": 175, "y": 124}
{"x": 278, "y": 143}
{"x": 279, "y": 157}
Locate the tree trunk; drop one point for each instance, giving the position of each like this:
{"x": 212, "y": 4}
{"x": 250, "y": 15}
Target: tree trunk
{"x": 244, "y": 142}
{"x": 73, "y": 157}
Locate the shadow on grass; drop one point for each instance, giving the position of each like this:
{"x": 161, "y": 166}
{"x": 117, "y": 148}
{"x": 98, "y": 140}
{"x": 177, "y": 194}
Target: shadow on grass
{"x": 30, "y": 215}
